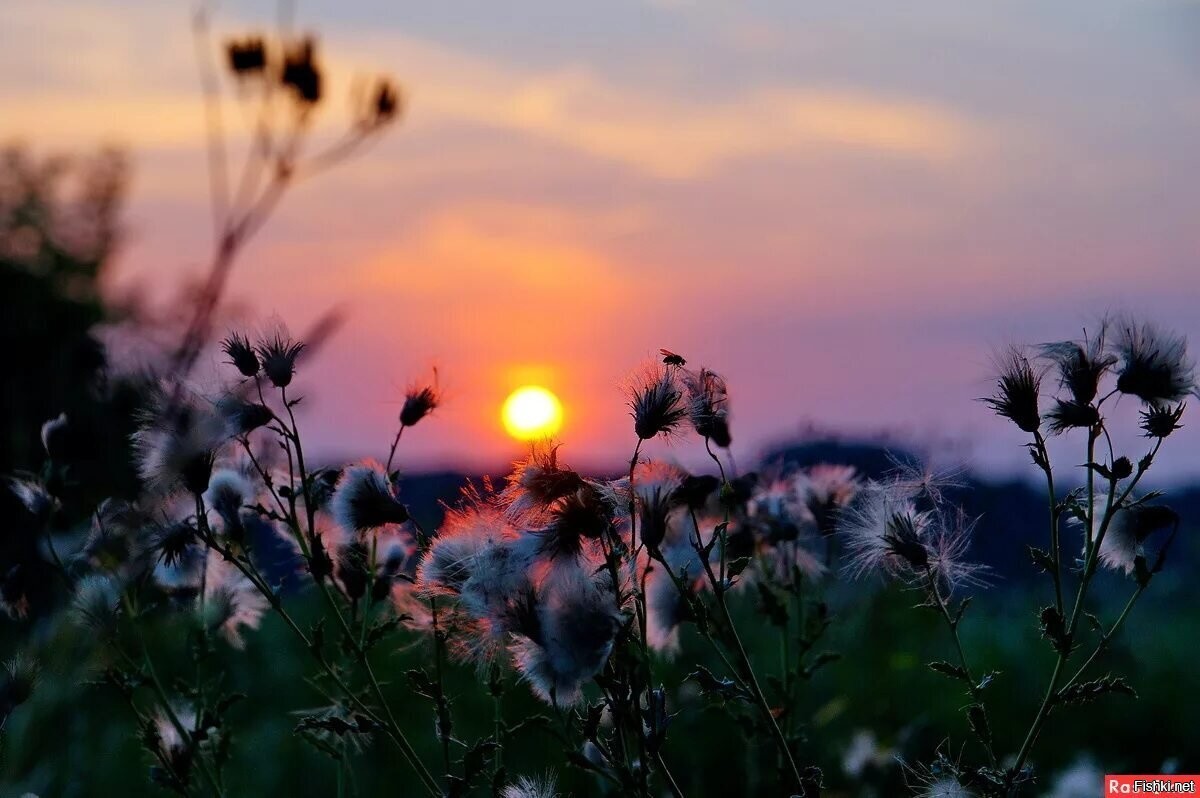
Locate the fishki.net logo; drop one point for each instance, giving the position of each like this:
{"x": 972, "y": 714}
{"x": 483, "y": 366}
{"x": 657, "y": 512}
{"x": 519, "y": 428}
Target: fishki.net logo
{"x": 1150, "y": 785}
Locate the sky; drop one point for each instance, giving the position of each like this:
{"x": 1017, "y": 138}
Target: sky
{"x": 845, "y": 208}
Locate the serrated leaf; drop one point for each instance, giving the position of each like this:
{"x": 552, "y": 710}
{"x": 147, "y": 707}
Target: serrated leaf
{"x": 421, "y": 683}
{"x": 775, "y": 610}
{"x": 977, "y": 719}
{"x": 381, "y": 630}
{"x": 476, "y": 757}
{"x": 712, "y": 685}
{"x": 1054, "y": 629}
{"x": 1085, "y": 692}
{"x": 949, "y": 669}
{"x": 820, "y": 661}
{"x": 1041, "y": 559}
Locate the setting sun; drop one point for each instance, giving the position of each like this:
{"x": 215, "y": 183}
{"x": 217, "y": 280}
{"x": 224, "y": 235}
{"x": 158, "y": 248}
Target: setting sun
{"x": 531, "y": 412}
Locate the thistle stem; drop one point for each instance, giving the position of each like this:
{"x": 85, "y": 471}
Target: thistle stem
{"x": 1091, "y": 562}
{"x": 952, "y": 625}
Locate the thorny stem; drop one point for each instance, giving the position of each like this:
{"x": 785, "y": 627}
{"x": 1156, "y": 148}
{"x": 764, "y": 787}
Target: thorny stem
{"x": 1106, "y": 638}
{"x": 164, "y": 700}
{"x": 976, "y": 694}
{"x": 666, "y": 772}
{"x": 752, "y": 682}
{"x": 639, "y": 604}
{"x": 392, "y": 454}
{"x": 443, "y": 710}
{"x": 749, "y": 679}
{"x": 292, "y": 434}
{"x": 390, "y": 728}
{"x": 1055, "y": 547}
{"x": 1091, "y": 560}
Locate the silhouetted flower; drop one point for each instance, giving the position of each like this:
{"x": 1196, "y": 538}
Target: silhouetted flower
{"x": 300, "y": 71}
{"x": 1159, "y": 421}
{"x": 656, "y": 400}
{"x": 18, "y": 679}
{"x": 278, "y": 354}
{"x": 1018, "y": 385}
{"x": 884, "y": 530}
{"x": 654, "y": 486}
{"x": 247, "y": 57}
{"x": 177, "y": 443}
{"x": 1155, "y": 366}
{"x": 1131, "y": 525}
{"x": 1081, "y": 366}
{"x": 160, "y": 734}
{"x": 708, "y": 405}
{"x": 420, "y": 401}
{"x": 244, "y": 417}
{"x": 364, "y": 500}
{"x": 537, "y": 482}
{"x": 241, "y": 354}
{"x": 228, "y": 493}
{"x": 576, "y": 623}
{"x": 384, "y": 104}
{"x": 173, "y": 541}
{"x": 97, "y": 603}
{"x": 353, "y": 568}
{"x": 231, "y": 601}
{"x": 587, "y": 514}
{"x": 1069, "y": 414}
{"x": 824, "y": 491}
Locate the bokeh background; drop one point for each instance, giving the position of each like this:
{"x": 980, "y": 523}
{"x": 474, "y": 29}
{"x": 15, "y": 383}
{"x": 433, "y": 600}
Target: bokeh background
{"x": 844, "y": 208}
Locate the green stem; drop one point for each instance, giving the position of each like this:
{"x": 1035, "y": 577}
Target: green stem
{"x": 952, "y": 625}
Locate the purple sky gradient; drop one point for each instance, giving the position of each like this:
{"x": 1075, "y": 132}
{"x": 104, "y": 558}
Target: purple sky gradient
{"x": 844, "y": 208}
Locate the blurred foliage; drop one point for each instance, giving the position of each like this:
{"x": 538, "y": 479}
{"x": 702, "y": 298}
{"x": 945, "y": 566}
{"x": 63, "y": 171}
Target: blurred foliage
{"x": 58, "y": 231}
{"x": 76, "y": 739}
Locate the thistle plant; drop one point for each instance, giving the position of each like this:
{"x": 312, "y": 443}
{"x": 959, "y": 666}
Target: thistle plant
{"x": 1058, "y": 389}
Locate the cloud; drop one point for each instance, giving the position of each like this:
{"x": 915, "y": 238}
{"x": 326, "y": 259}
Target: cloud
{"x": 659, "y": 132}
{"x": 110, "y": 92}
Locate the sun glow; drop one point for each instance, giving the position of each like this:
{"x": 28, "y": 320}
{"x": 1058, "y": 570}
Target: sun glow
{"x": 531, "y": 413}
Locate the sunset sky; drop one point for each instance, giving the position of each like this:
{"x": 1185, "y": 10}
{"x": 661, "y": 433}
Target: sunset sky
{"x": 843, "y": 207}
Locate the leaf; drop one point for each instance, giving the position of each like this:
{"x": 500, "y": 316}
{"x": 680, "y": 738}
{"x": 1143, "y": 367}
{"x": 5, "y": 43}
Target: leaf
{"x": 775, "y": 610}
{"x": 580, "y": 761}
{"x": 711, "y": 685}
{"x": 591, "y": 720}
{"x": 949, "y": 669}
{"x": 1041, "y": 559}
{"x": 978, "y": 720}
{"x": 820, "y": 661}
{"x": 381, "y": 630}
{"x": 476, "y": 757}
{"x": 1054, "y": 629}
{"x": 1039, "y": 459}
{"x": 962, "y": 610}
{"x": 228, "y": 701}
{"x": 1089, "y": 691}
{"x": 735, "y": 567}
{"x": 421, "y": 683}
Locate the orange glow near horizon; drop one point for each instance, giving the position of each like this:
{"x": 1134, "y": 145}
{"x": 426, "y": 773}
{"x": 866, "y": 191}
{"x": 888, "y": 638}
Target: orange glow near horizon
{"x": 532, "y": 413}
